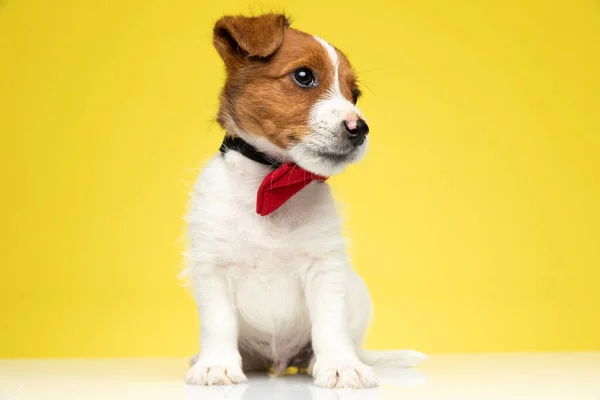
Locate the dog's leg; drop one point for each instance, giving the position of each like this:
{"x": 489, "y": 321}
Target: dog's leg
{"x": 360, "y": 308}
{"x": 336, "y": 363}
{"x": 219, "y": 361}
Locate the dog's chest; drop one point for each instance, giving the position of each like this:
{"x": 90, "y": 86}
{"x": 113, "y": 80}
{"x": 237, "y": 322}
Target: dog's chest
{"x": 269, "y": 261}
{"x": 225, "y": 227}
{"x": 261, "y": 248}
{"x": 264, "y": 259}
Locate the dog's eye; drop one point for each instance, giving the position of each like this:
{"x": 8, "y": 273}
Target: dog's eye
{"x": 355, "y": 95}
{"x": 304, "y": 77}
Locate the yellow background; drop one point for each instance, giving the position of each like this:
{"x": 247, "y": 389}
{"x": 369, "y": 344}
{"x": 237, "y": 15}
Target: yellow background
{"x": 474, "y": 219}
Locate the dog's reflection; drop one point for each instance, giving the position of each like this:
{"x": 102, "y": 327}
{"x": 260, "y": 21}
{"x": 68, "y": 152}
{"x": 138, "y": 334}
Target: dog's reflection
{"x": 299, "y": 387}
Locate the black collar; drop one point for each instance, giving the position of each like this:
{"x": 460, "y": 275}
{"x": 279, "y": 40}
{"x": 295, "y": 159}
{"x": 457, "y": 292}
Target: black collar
{"x": 247, "y": 150}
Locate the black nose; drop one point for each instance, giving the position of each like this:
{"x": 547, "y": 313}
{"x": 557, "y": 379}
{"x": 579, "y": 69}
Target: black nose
{"x": 359, "y": 133}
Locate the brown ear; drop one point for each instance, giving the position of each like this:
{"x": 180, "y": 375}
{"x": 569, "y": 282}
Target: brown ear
{"x": 239, "y": 36}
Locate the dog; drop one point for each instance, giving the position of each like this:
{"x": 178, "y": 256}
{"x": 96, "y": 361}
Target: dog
{"x": 267, "y": 261}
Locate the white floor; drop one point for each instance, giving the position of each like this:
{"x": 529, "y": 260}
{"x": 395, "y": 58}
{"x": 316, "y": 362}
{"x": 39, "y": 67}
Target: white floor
{"x": 505, "y": 376}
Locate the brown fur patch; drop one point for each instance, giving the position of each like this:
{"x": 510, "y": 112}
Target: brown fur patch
{"x": 259, "y": 94}
{"x": 347, "y": 78}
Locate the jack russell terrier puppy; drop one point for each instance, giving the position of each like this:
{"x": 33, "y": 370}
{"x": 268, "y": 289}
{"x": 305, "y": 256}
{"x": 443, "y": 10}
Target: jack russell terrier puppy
{"x": 267, "y": 261}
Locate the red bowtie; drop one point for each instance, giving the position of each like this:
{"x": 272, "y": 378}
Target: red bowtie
{"x": 280, "y": 185}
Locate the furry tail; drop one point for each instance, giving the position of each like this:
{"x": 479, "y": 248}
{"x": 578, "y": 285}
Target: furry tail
{"x": 392, "y": 358}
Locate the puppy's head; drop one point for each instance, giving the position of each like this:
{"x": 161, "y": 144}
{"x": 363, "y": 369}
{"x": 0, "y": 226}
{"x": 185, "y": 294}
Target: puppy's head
{"x": 289, "y": 93}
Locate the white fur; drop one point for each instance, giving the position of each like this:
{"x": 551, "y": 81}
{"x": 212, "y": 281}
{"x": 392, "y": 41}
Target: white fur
{"x": 332, "y": 53}
{"x": 325, "y": 123}
{"x": 272, "y": 283}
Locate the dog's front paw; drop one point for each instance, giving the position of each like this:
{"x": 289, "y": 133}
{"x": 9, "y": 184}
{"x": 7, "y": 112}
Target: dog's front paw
{"x": 330, "y": 373}
{"x": 209, "y": 372}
